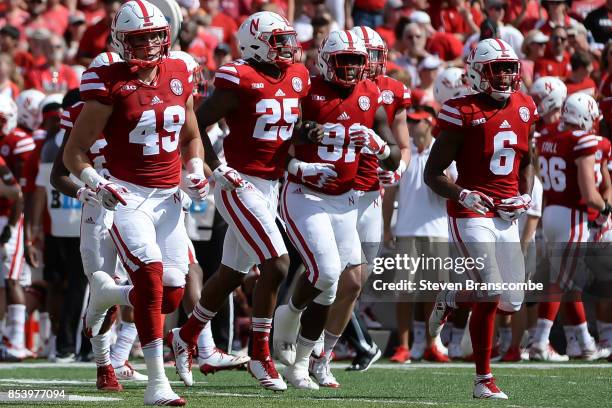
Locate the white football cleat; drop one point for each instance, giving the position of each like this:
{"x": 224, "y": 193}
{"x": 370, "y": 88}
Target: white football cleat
{"x": 127, "y": 373}
{"x": 487, "y": 389}
{"x": 286, "y": 329}
{"x": 183, "y": 356}
{"x": 100, "y": 289}
{"x": 300, "y": 379}
{"x": 162, "y": 394}
{"x": 591, "y": 352}
{"x": 319, "y": 368}
{"x": 219, "y": 360}
{"x": 545, "y": 352}
{"x": 439, "y": 314}
{"x": 573, "y": 349}
{"x": 265, "y": 372}
{"x": 417, "y": 350}
{"x": 454, "y": 351}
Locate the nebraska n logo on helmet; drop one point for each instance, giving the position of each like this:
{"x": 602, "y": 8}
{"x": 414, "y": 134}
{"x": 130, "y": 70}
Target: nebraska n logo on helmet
{"x": 267, "y": 37}
{"x": 494, "y": 68}
{"x": 140, "y": 34}
{"x": 548, "y": 93}
{"x": 342, "y": 58}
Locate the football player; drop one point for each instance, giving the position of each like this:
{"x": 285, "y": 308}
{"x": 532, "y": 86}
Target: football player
{"x": 319, "y": 205}
{"x": 259, "y": 97}
{"x": 567, "y": 159}
{"x": 487, "y": 134}
{"x": 144, "y": 107}
{"x": 548, "y": 93}
{"x": 11, "y": 238}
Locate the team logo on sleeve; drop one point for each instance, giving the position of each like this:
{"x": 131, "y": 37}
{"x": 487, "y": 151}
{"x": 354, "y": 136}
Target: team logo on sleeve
{"x": 176, "y": 86}
{"x": 5, "y": 150}
{"x": 364, "y": 103}
{"x": 524, "y": 114}
{"x": 296, "y": 83}
{"x": 387, "y": 97}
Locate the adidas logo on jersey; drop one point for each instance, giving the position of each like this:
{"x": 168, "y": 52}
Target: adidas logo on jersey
{"x": 343, "y": 116}
{"x": 90, "y": 220}
{"x": 156, "y": 100}
{"x": 279, "y": 93}
{"x": 505, "y": 125}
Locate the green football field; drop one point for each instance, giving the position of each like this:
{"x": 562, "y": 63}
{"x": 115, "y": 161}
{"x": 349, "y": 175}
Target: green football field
{"x": 529, "y": 385}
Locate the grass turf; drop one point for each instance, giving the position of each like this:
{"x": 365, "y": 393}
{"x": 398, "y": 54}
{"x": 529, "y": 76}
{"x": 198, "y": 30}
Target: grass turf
{"x": 528, "y": 385}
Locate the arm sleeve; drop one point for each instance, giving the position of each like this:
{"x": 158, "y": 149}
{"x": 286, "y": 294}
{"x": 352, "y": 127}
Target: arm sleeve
{"x": 227, "y": 77}
{"x": 450, "y": 118}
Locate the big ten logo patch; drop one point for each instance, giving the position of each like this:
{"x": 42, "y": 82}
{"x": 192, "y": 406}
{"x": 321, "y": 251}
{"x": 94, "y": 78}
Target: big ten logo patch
{"x": 63, "y": 202}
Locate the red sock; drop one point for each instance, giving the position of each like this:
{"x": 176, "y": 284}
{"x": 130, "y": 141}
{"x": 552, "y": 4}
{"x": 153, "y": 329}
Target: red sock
{"x": 482, "y": 324}
{"x": 574, "y": 313}
{"x": 194, "y": 325}
{"x": 171, "y": 298}
{"x": 261, "y": 326}
{"x": 548, "y": 310}
{"x": 146, "y": 297}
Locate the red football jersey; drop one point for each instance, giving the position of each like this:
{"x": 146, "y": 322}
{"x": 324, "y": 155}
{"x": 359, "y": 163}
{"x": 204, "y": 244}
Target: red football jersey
{"x": 494, "y": 142}
{"x": 96, "y": 151}
{"x": 394, "y": 96}
{"x": 6, "y": 205}
{"x": 15, "y": 147}
{"x": 339, "y": 116}
{"x": 602, "y": 159}
{"x": 261, "y": 127}
{"x": 557, "y": 154}
{"x": 143, "y": 130}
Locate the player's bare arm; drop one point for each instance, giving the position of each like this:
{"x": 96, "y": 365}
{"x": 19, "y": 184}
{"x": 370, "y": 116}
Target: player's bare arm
{"x": 381, "y": 127}
{"x": 526, "y": 170}
{"x": 605, "y": 189}
{"x": 60, "y": 176}
{"x": 89, "y": 125}
{"x": 400, "y": 133}
{"x": 8, "y": 187}
{"x": 586, "y": 183}
{"x": 442, "y": 155}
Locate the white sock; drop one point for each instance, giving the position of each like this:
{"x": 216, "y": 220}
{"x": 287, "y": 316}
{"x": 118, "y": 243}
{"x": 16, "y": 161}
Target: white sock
{"x": 206, "y": 342}
{"x": 570, "y": 333}
{"x": 154, "y": 359}
{"x": 329, "y": 342}
{"x": 44, "y": 327}
{"x": 530, "y": 335}
{"x": 303, "y": 350}
{"x": 542, "y": 332}
{"x": 15, "y": 325}
{"x": 52, "y": 345}
{"x": 583, "y": 335}
{"x": 419, "y": 331}
{"x": 605, "y": 332}
{"x": 483, "y": 377}
{"x": 505, "y": 338}
{"x": 457, "y": 335}
{"x": 117, "y": 295}
{"x": 100, "y": 346}
{"x": 318, "y": 349}
{"x": 125, "y": 339}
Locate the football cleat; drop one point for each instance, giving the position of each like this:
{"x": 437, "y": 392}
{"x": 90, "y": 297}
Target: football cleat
{"x": 363, "y": 361}
{"x": 605, "y": 349}
{"x": 162, "y": 395}
{"x": 439, "y": 314}
{"x": 127, "y": 373}
{"x": 300, "y": 379}
{"x": 183, "y": 356}
{"x": 286, "y": 328}
{"x": 573, "y": 349}
{"x": 402, "y": 355}
{"x": 455, "y": 352}
{"x": 433, "y": 354}
{"x": 319, "y": 368}
{"x": 106, "y": 379}
{"x": 487, "y": 389}
{"x": 265, "y": 372}
{"x": 219, "y": 360}
{"x": 545, "y": 353}
{"x": 512, "y": 355}
{"x": 592, "y": 352}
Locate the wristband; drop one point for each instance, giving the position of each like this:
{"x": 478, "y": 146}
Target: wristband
{"x": 195, "y": 166}
{"x": 385, "y": 153}
{"x": 402, "y": 167}
{"x": 90, "y": 177}
{"x": 294, "y": 166}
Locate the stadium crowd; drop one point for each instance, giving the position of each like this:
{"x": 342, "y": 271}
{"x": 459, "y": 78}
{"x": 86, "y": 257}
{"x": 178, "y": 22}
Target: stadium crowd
{"x": 47, "y": 45}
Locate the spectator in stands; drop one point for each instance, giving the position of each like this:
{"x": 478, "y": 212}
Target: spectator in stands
{"x": 95, "y": 38}
{"x": 413, "y": 44}
{"x": 428, "y": 71}
{"x": 14, "y": 14}
{"x": 52, "y": 76}
{"x": 556, "y": 61}
{"x": 9, "y": 44}
{"x": 74, "y": 34}
{"x": 523, "y": 14}
{"x": 7, "y": 69}
{"x": 364, "y": 13}
{"x": 222, "y": 54}
{"x": 580, "y": 78}
{"x": 445, "y": 45}
{"x": 48, "y": 14}
{"x": 321, "y": 27}
{"x": 221, "y": 25}
{"x": 533, "y": 49}
{"x": 391, "y": 17}
{"x": 558, "y": 16}
{"x": 461, "y": 18}
{"x": 605, "y": 90}
{"x": 599, "y": 22}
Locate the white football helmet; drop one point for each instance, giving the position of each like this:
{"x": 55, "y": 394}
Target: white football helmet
{"x": 28, "y": 108}
{"x": 55, "y": 98}
{"x": 548, "y": 93}
{"x": 105, "y": 58}
{"x": 494, "y": 68}
{"x": 580, "y": 110}
{"x": 8, "y": 114}
{"x": 342, "y": 58}
{"x": 268, "y": 37}
{"x": 450, "y": 83}
{"x": 377, "y": 50}
{"x": 135, "y": 19}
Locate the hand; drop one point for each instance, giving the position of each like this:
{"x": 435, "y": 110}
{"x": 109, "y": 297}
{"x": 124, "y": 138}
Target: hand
{"x": 196, "y": 186}
{"x": 185, "y": 200}
{"x": 228, "y": 178}
{"x": 111, "y": 194}
{"x": 366, "y": 138}
{"x": 316, "y": 174}
{"x": 33, "y": 255}
{"x": 312, "y": 131}
{"x": 512, "y": 208}
{"x": 391, "y": 178}
{"x": 603, "y": 216}
{"x": 87, "y": 196}
{"x": 476, "y": 201}
{"x": 6, "y": 234}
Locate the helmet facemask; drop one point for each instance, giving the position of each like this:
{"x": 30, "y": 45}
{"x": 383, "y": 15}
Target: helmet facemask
{"x": 377, "y": 61}
{"x": 348, "y": 68}
{"x": 283, "y": 48}
{"x": 500, "y": 78}
{"x": 134, "y": 46}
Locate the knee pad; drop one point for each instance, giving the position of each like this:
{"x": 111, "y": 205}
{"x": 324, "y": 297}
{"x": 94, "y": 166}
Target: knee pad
{"x": 328, "y": 276}
{"x": 171, "y": 299}
{"x": 174, "y": 276}
{"x": 147, "y": 253}
{"x": 327, "y": 297}
{"x": 511, "y": 302}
